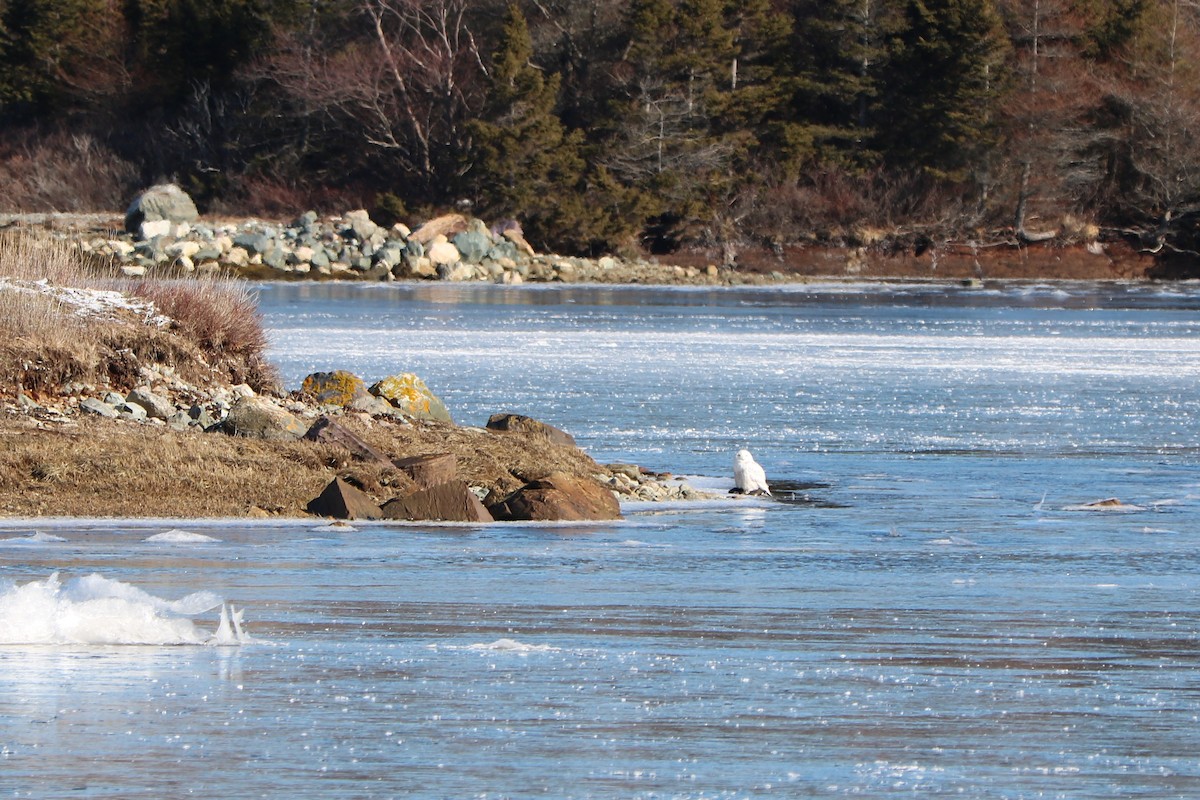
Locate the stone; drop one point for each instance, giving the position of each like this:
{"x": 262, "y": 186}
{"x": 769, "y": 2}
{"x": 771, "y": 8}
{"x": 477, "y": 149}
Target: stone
{"x": 519, "y": 422}
{"x": 98, "y": 407}
{"x": 306, "y": 221}
{"x": 327, "y": 431}
{"x": 156, "y": 406}
{"x": 442, "y": 253}
{"x": 256, "y": 418}
{"x": 179, "y": 421}
{"x": 201, "y": 416}
{"x": 164, "y": 201}
{"x": 254, "y": 242}
{"x": 429, "y": 470}
{"x": 515, "y": 236}
{"x": 131, "y": 411}
{"x": 359, "y": 225}
{"x": 452, "y": 501}
{"x": 370, "y": 404}
{"x": 411, "y": 396}
{"x": 559, "y": 496}
{"x": 473, "y": 245}
{"x": 153, "y": 229}
{"x": 340, "y": 500}
{"x": 337, "y": 388}
{"x": 445, "y": 226}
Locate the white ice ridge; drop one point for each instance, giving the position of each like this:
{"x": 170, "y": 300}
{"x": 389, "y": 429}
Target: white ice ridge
{"x": 96, "y": 610}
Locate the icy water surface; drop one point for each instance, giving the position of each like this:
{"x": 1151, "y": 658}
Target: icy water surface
{"x": 934, "y": 609}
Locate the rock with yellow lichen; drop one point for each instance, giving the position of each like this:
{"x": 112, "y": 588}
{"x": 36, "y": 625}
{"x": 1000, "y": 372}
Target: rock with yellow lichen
{"x": 408, "y": 394}
{"x": 337, "y": 388}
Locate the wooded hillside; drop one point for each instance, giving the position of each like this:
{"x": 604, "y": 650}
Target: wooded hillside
{"x": 605, "y": 125}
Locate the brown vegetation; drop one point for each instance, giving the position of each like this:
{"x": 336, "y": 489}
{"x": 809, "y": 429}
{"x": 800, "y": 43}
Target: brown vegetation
{"x": 56, "y": 326}
{"x": 113, "y": 468}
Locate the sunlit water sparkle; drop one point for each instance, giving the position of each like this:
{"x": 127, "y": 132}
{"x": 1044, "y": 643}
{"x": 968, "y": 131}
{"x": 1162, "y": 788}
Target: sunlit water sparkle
{"x": 938, "y": 611}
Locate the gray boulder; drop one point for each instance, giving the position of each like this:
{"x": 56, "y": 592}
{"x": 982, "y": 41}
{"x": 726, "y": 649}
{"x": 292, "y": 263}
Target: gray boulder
{"x": 255, "y": 418}
{"x": 165, "y": 201}
{"x": 98, "y": 407}
{"x": 473, "y": 245}
{"x": 157, "y": 407}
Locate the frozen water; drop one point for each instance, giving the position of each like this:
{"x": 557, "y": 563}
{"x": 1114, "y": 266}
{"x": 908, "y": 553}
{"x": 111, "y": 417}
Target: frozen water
{"x": 922, "y": 617}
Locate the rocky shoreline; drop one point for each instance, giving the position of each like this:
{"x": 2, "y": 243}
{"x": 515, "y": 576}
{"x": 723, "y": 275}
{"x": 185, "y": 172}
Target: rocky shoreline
{"x": 170, "y": 448}
{"x": 162, "y": 233}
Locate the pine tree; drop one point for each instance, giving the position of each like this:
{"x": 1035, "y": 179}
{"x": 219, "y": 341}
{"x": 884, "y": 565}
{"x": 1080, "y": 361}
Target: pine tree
{"x": 946, "y": 74}
{"x": 525, "y": 164}
{"x": 842, "y": 49}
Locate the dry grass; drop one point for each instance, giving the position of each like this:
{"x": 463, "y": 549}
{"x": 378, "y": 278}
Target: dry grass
{"x": 108, "y": 468}
{"x": 216, "y": 332}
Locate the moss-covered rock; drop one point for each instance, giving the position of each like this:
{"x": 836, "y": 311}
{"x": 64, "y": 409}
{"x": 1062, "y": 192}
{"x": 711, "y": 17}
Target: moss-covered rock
{"x": 409, "y": 394}
{"x": 337, "y": 388}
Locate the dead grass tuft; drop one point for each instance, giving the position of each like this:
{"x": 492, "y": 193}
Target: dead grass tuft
{"x": 221, "y": 318}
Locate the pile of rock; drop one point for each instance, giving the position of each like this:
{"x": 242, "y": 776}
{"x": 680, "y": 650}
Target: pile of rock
{"x": 434, "y": 487}
{"x": 163, "y": 231}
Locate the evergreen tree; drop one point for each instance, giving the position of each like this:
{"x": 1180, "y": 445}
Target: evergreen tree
{"x": 842, "y": 49}
{"x": 53, "y": 53}
{"x": 946, "y": 74}
{"x": 525, "y": 164}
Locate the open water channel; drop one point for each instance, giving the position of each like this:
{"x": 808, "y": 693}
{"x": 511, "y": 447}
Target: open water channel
{"x": 929, "y": 607}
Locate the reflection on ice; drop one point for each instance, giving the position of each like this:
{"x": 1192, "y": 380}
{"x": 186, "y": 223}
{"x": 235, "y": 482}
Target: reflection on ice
{"x": 176, "y": 536}
{"x": 95, "y": 610}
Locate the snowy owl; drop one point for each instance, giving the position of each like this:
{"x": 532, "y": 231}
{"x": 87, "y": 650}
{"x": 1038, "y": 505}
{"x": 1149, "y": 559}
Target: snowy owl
{"x": 748, "y": 475}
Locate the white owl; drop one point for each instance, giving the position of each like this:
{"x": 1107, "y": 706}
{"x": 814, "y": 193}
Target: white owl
{"x": 748, "y": 475}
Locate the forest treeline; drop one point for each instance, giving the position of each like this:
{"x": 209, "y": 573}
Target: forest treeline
{"x": 604, "y": 125}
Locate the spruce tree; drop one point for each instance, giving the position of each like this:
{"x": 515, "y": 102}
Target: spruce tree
{"x": 946, "y": 75}
{"x": 525, "y": 164}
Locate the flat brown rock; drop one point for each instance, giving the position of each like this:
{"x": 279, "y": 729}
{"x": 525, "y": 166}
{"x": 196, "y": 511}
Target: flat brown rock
{"x": 559, "y": 496}
{"x": 520, "y": 422}
{"x": 340, "y": 500}
{"x": 452, "y": 501}
{"x": 328, "y": 431}
{"x": 429, "y": 470}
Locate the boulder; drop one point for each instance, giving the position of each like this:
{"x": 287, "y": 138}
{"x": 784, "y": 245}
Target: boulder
{"x": 442, "y": 253}
{"x": 337, "y": 388}
{"x": 429, "y": 470}
{"x": 343, "y": 501}
{"x": 518, "y": 239}
{"x": 409, "y": 394}
{"x": 157, "y": 407}
{"x": 256, "y": 418}
{"x": 327, "y": 431}
{"x": 474, "y": 245}
{"x": 452, "y": 501}
{"x": 359, "y": 225}
{"x": 518, "y": 422}
{"x": 559, "y": 496}
{"x": 446, "y": 226}
{"x": 100, "y": 408}
{"x": 165, "y": 201}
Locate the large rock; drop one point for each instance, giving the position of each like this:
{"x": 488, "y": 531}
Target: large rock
{"x": 559, "y": 496}
{"x": 442, "y": 253}
{"x": 518, "y": 422}
{"x": 409, "y": 394}
{"x": 165, "y": 201}
{"x": 473, "y": 244}
{"x": 452, "y": 501}
{"x": 337, "y": 388}
{"x": 326, "y": 431}
{"x": 446, "y": 226}
{"x": 429, "y": 470}
{"x": 343, "y": 501}
{"x": 157, "y": 406}
{"x": 256, "y": 418}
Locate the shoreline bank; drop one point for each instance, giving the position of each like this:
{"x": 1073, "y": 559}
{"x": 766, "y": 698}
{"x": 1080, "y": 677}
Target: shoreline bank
{"x": 457, "y": 249}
